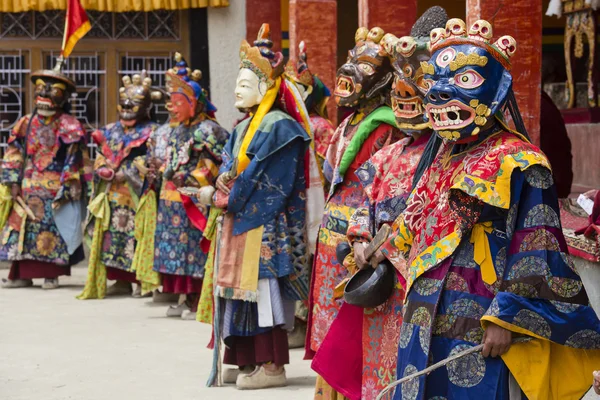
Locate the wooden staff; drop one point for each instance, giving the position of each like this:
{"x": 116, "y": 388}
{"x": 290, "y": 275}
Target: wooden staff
{"x": 437, "y": 365}
{"x": 381, "y": 236}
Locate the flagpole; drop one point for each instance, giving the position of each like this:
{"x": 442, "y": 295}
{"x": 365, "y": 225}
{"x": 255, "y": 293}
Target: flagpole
{"x": 60, "y": 60}
{"x": 66, "y": 31}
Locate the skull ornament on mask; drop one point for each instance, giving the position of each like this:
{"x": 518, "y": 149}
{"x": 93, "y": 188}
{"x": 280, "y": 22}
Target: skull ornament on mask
{"x": 367, "y": 71}
{"x": 135, "y": 99}
{"x": 469, "y": 77}
{"x": 409, "y": 86}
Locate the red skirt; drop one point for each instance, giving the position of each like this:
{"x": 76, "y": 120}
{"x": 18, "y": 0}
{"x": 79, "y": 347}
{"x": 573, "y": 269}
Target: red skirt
{"x": 116, "y": 274}
{"x": 271, "y": 346}
{"x": 31, "y": 269}
{"x": 181, "y": 284}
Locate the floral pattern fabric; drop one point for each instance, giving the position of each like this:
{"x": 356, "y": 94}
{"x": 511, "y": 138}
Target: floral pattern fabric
{"x": 536, "y": 292}
{"x": 194, "y": 153}
{"x": 122, "y": 150}
{"x": 264, "y": 229}
{"x": 268, "y": 196}
{"x": 52, "y": 172}
{"x": 345, "y": 197}
{"x": 387, "y": 179}
{"x": 322, "y": 133}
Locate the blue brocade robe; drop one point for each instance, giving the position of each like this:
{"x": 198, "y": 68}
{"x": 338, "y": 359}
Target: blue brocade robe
{"x": 270, "y": 193}
{"x": 501, "y": 191}
{"x": 195, "y": 152}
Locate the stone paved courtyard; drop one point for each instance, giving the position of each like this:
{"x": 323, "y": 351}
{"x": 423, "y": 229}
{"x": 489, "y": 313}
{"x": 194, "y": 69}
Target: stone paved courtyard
{"x": 55, "y": 347}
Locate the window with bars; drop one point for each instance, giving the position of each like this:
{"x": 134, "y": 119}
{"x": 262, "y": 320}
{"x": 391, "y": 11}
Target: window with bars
{"x": 14, "y": 73}
{"x": 97, "y": 65}
{"x": 155, "y": 25}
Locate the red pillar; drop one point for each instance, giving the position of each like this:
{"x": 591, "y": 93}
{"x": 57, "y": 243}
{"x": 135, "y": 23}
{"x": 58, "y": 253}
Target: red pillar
{"x": 315, "y": 22}
{"x": 395, "y": 17}
{"x": 523, "y": 21}
{"x": 259, "y": 12}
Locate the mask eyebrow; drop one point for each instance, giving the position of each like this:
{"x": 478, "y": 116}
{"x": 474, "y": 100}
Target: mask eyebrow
{"x": 371, "y": 60}
{"x": 463, "y": 60}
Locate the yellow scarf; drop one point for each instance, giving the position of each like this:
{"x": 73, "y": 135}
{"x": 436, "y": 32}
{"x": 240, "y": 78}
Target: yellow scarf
{"x": 265, "y": 106}
{"x": 483, "y": 254}
{"x": 95, "y": 285}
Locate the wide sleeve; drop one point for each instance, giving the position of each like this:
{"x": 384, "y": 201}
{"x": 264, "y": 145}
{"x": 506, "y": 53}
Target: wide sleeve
{"x": 541, "y": 296}
{"x": 361, "y": 225}
{"x": 12, "y": 163}
{"x": 266, "y": 180}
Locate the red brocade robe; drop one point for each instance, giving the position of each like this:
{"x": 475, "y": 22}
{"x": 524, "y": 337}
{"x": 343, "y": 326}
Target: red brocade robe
{"x": 359, "y": 363}
{"x": 344, "y": 198}
{"x": 51, "y": 173}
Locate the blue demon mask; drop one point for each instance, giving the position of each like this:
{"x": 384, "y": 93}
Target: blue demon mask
{"x": 468, "y": 78}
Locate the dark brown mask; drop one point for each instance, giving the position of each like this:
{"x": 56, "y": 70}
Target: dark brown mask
{"x": 367, "y": 73}
{"x": 50, "y": 95}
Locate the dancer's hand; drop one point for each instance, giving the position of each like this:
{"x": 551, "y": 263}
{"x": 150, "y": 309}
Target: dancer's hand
{"x": 178, "y": 179}
{"x": 377, "y": 259}
{"x": 496, "y": 341}
{"x": 597, "y": 382}
{"x": 151, "y": 174}
{"x": 359, "y": 255}
{"x": 591, "y": 194}
{"x": 222, "y": 182}
{"x": 119, "y": 177}
{"x": 105, "y": 173}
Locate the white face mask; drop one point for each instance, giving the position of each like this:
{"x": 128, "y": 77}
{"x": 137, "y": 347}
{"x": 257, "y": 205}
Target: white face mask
{"x": 249, "y": 90}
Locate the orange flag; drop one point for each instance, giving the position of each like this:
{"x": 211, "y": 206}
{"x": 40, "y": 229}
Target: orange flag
{"x": 77, "y": 25}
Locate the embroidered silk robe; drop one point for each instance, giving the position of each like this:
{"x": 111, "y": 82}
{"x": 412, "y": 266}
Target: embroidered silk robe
{"x": 351, "y": 147}
{"x": 194, "y": 152}
{"x": 483, "y": 243}
{"x": 121, "y": 149}
{"x": 359, "y": 363}
{"x": 50, "y": 170}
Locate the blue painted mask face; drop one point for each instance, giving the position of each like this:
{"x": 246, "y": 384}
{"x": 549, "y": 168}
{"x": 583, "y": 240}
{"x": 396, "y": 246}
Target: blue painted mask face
{"x": 467, "y": 87}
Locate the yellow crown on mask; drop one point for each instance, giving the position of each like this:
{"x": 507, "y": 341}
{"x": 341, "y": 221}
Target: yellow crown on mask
{"x": 372, "y": 38}
{"x": 260, "y": 59}
{"x": 180, "y": 77}
{"x": 140, "y": 81}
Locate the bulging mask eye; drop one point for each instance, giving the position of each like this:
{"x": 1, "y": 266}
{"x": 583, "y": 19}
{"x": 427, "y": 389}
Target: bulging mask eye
{"x": 468, "y": 80}
{"x": 367, "y": 69}
{"x": 445, "y": 57}
{"x": 426, "y": 83}
{"x": 408, "y": 71}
